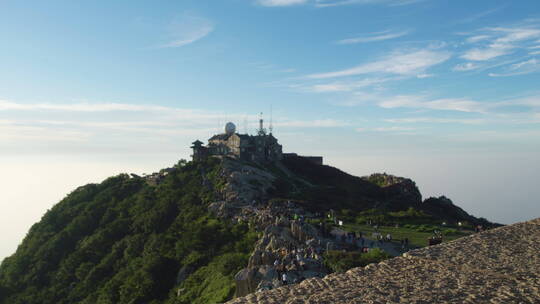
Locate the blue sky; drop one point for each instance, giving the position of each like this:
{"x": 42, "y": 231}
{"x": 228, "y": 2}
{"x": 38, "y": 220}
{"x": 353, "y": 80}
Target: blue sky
{"x": 444, "y": 92}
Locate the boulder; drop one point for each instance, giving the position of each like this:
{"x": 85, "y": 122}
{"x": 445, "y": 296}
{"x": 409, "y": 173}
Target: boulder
{"x": 245, "y": 283}
{"x": 255, "y": 259}
{"x": 248, "y": 279}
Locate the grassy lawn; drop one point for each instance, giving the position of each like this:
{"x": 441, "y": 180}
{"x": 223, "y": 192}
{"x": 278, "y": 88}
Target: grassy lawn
{"x": 416, "y": 238}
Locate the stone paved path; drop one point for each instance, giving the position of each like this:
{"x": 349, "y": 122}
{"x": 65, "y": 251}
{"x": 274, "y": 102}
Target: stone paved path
{"x": 496, "y": 266}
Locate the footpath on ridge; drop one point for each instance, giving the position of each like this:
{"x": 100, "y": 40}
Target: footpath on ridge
{"x": 501, "y": 265}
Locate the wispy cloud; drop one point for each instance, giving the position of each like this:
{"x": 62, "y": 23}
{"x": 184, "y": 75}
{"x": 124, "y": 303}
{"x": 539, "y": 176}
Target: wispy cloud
{"x": 520, "y": 68}
{"x": 480, "y": 15}
{"x": 399, "y": 63}
{"x": 187, "y": 29}
{"x": 500, "y": 41}
{"x": 477, "y": 38}
{"x": 482, "y": 54}
{"x": 467, "y": 66}
{"x": 424, "y": 75}
{"x": 398, "y": 130}
{"x": 322, "y": 123}
{"x": 423, "y": 103}
{"x": 420, "y": 102}
{"x": 393, "y": 129}
{"x": 345, "y": 85}
{"x": 413, "y": 120}
{"x": 504, "y": 50}
{"x": 281, "y": 2}
{"x": 331, "y": 3}
{"x": 78, "y": 107}
{"x": 378, "y": 36}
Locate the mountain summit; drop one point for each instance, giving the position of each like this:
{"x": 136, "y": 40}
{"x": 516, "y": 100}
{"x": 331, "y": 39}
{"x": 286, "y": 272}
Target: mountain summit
{"x": 206, "y": 231}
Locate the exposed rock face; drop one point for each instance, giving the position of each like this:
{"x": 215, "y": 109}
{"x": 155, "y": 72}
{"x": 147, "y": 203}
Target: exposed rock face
{"x": 249, "y": 279}
{"x": 275, "y": 245}
{"x": 496, "y": 266}
{"x": 398, "y": 190}
{"x": 245, "y": 184}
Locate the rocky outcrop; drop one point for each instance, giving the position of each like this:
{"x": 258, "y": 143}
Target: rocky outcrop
{"x": 495, "y": 266}
{"x": 398, "y": 192}
{"x": 445, "y": 208}
{"x": 293, "y": 245}
{"x": 248, "y": 279}
{"x": 245, "y": 184}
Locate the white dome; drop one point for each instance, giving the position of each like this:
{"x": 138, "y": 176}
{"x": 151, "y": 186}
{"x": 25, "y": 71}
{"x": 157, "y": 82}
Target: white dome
{"x": 230, "y": 128}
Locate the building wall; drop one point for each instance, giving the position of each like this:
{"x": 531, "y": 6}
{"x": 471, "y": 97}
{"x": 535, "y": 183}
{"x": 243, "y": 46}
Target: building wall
{"x": 251, "y": 148}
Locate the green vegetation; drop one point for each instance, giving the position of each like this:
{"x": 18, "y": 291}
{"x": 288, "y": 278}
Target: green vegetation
{"x": 341, "y": 261}
{"x": 124, "y": 241}
{"x": 417, "y": 235}
{"x": 377, "y": 179}
{"x": 383, "y": 217}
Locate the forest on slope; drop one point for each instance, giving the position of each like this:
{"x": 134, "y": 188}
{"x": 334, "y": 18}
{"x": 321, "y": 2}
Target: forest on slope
{"x": 124, "y": 241}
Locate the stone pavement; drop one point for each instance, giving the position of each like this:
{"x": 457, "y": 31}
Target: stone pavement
{"x": 496, "y": 266}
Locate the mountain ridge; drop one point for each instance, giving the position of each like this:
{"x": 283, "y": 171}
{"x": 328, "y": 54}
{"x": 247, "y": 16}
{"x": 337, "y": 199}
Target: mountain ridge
{"x": 176, "y": 237}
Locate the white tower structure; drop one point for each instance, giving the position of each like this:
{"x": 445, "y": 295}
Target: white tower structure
{"x": 230, "y": 128}
{"x": 261, "y": 131}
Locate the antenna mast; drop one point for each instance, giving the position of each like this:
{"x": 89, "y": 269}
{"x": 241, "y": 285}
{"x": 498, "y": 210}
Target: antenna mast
{"x": 262, "y": 131}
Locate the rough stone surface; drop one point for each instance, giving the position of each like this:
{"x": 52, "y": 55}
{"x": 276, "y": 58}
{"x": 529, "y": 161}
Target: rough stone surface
{"x": 497, "y": 266}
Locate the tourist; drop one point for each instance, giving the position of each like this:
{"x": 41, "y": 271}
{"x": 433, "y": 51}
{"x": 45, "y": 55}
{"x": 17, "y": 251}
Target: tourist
{"x": 284, "y": 278}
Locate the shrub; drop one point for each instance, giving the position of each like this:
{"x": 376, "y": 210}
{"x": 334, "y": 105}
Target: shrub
{"x": 449, "y": 231}
{"x": 339, "y": 261}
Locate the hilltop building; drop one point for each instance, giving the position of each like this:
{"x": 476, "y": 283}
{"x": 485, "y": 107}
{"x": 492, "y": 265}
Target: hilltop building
{"x": 262, "y": 147}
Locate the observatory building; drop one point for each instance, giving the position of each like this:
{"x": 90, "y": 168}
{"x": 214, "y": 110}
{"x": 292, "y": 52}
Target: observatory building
{"x": 262, "y": 147}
